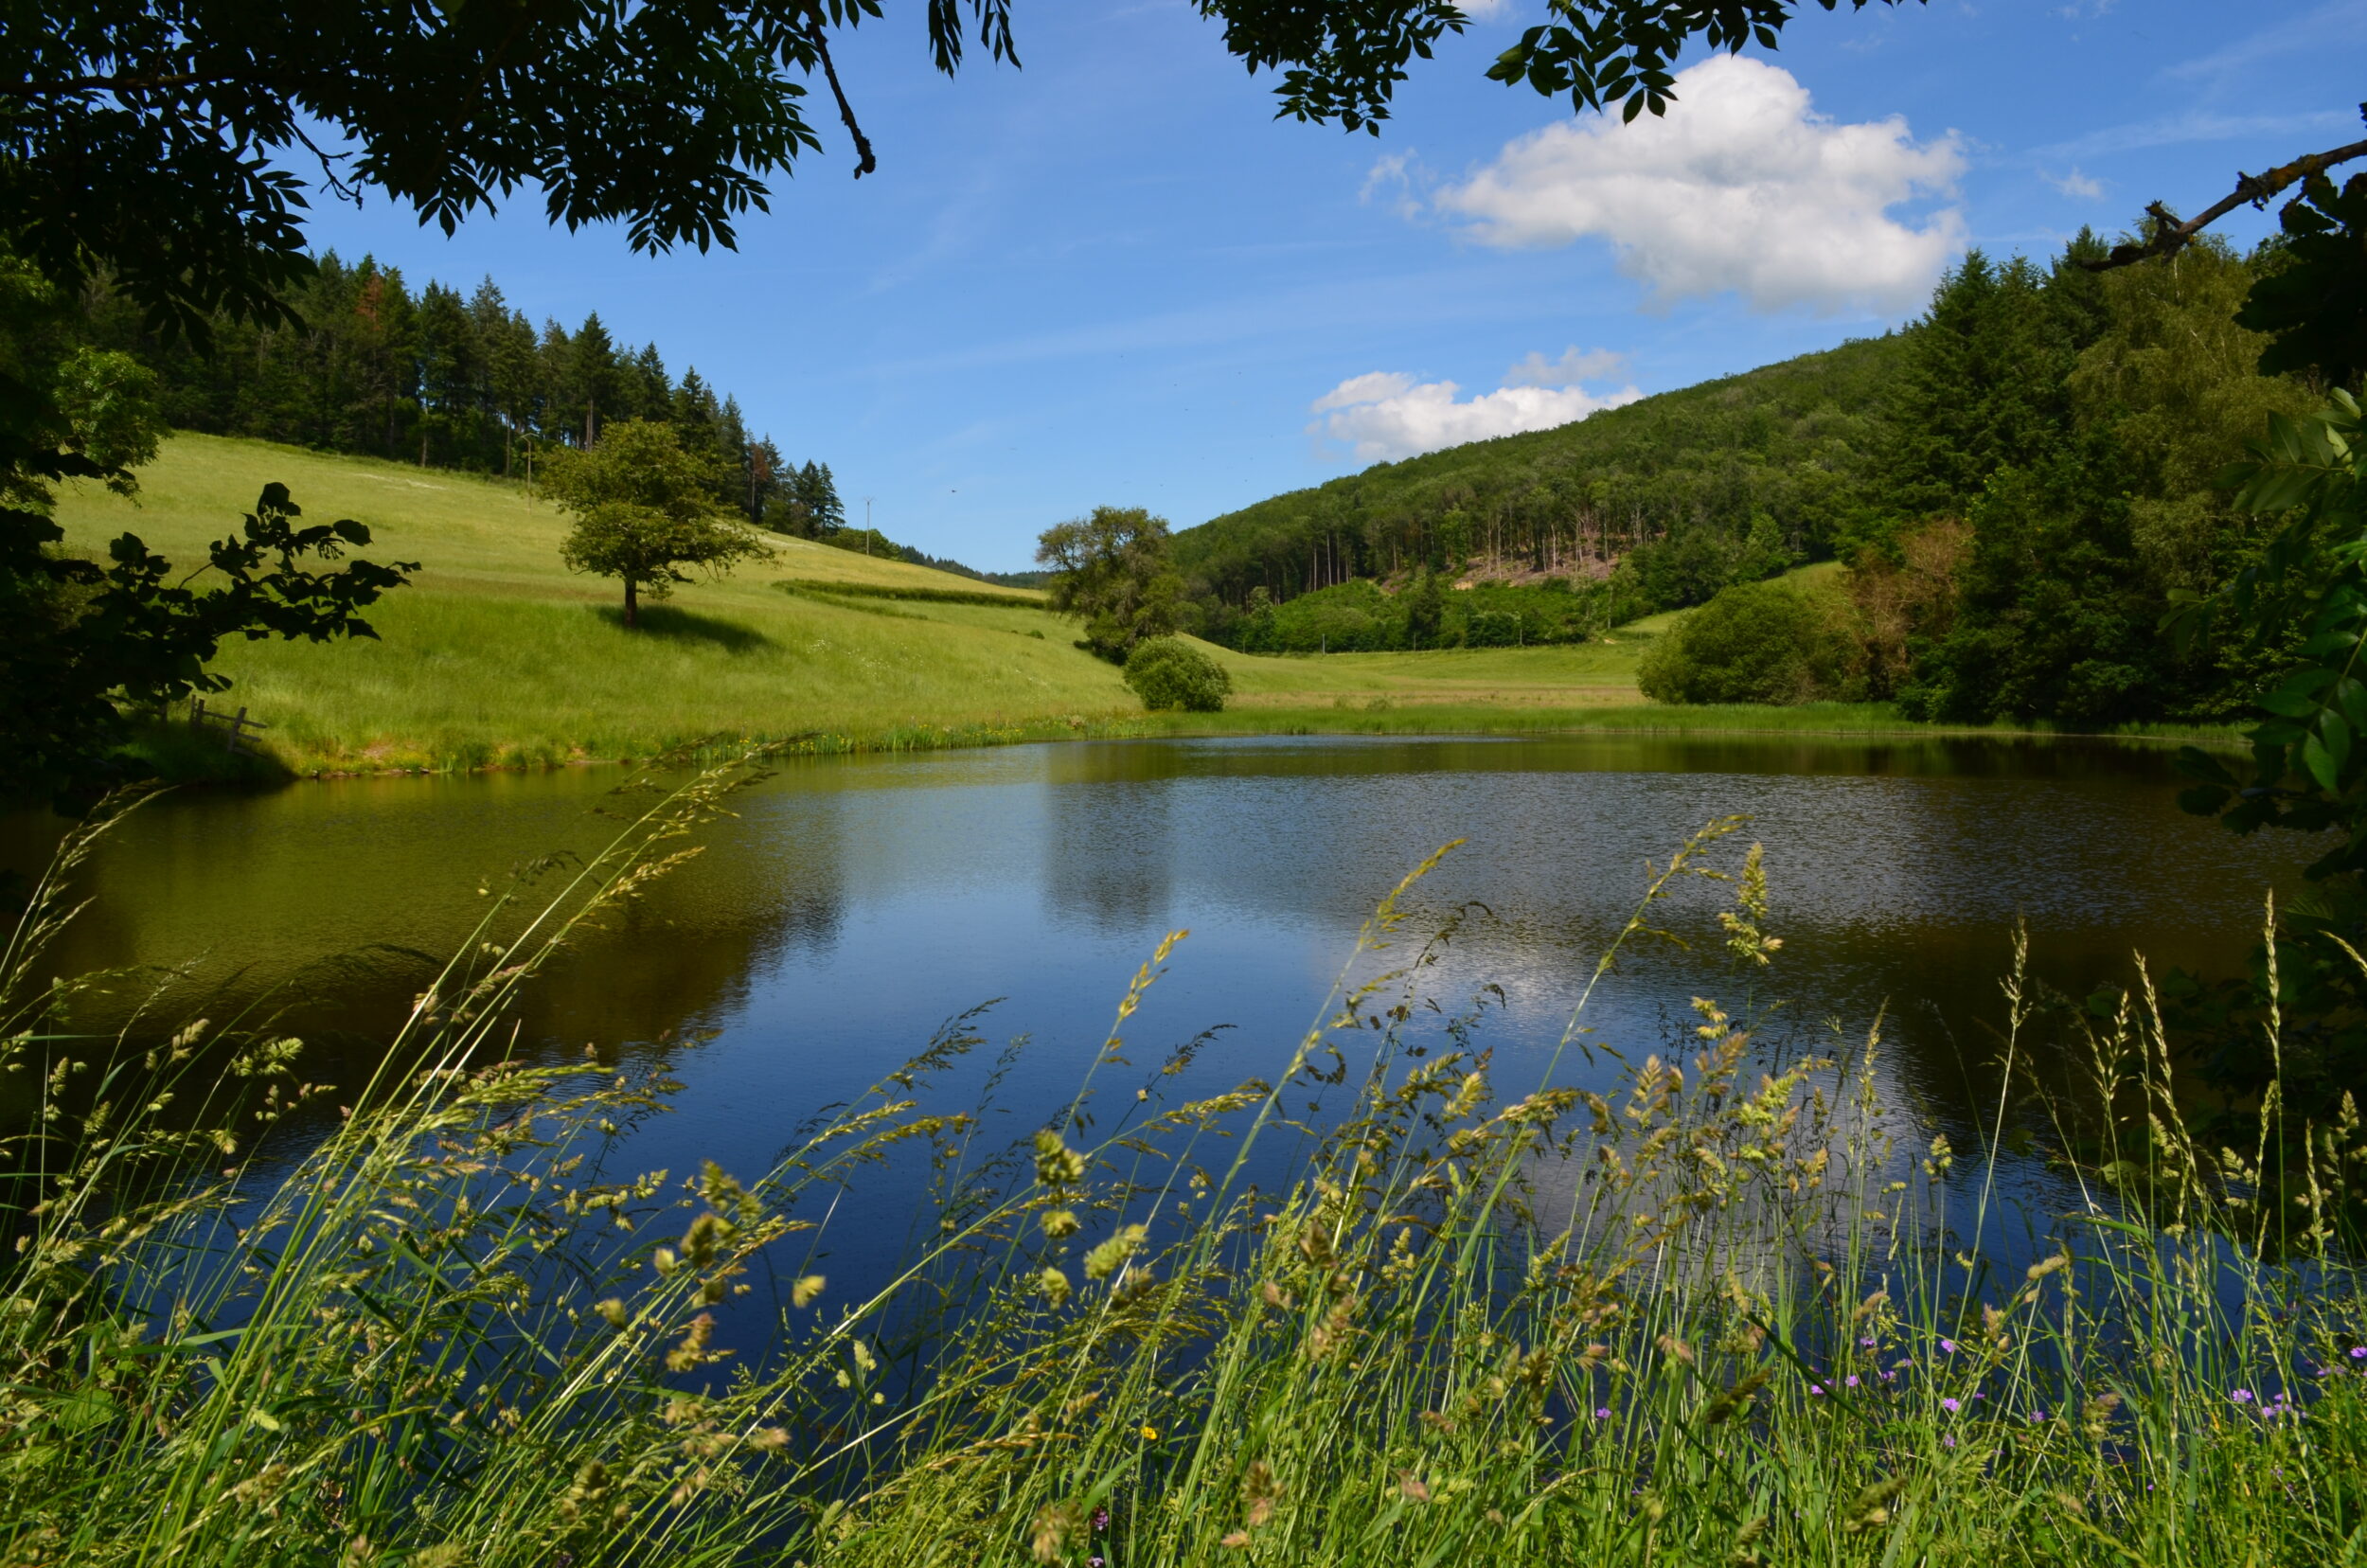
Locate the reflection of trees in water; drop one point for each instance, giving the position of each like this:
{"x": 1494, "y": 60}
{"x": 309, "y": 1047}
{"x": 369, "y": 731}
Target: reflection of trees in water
{"x": 688, "y": 952}
{"x": 1109, "y": 859}
{"x": 298, "y": 912}
{"x": 1892, "y": 888}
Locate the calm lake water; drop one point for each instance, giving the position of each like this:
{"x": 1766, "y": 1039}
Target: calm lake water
{"x": 856, "y": 903}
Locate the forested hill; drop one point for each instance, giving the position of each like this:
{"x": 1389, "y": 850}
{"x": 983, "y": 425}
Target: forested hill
{"x": 1773, "y": 461}
{"x": 373, "y": 366}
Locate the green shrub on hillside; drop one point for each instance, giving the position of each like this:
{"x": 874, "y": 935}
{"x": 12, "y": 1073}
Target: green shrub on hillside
{"x": 1169, "y": 672}
{"x": 1360, "y": 617}
{"x": 1759, "y": 642}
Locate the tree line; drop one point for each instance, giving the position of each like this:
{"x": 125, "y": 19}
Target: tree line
{"x": 1687, "y": 491}
{"x": 2044, "y": 496}
{"x": 444, "y": 379}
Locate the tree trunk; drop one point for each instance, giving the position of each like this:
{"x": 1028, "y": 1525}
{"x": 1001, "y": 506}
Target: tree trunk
{"x": 632, "y": 604}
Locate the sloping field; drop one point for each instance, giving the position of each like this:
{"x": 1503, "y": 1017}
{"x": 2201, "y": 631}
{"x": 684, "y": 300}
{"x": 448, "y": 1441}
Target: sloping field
{"x": 499, "y": 656}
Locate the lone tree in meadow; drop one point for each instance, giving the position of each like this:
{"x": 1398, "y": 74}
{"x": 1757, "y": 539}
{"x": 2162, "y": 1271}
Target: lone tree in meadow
{"x": 645, "y": 508}
{"x": 1111, "y": 571}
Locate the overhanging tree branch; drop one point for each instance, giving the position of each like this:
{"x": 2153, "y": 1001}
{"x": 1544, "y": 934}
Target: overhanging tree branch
{"x": 820, "y": 38}
{"x": 2170, "y": 234}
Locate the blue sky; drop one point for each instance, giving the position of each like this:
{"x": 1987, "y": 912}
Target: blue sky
{"x": 1111, "y": 276}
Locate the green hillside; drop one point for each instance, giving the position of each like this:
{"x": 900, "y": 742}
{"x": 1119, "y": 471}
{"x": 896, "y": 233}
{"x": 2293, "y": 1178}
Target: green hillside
{"x": 497, "y": 655}
{"x": 1683, "y": 486}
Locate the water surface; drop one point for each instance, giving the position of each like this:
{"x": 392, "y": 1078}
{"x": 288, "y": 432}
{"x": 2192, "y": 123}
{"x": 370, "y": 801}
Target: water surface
{"x": 854, "y": 904}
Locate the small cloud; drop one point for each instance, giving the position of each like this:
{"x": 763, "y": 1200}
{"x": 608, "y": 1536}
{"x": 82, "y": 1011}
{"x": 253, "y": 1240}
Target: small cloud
{"x": 2075, "y": 184}
{"x": 1385, "y": 414}
{"x": 1574, "y": 366}
{"x": 1393, "y": 181}
{"x": 1372, "y": 387}
{"x": 1742, "y": 187}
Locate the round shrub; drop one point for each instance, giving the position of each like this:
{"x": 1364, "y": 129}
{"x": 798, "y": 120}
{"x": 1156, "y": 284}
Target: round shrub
{"x": 1169, "y": 672}
{"x": 1492, "y": 629}
{"x": 1759, "y": 642}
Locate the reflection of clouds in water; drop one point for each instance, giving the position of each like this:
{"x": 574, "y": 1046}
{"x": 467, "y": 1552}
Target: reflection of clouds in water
{"x": 1840, "y": 848}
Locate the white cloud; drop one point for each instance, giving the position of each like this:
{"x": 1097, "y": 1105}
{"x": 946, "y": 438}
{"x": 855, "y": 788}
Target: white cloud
{"x": 2075, "y": 184}
{"x": 1372, "y": 387}
{"x": 1742, "y": 187}
{"x": 1384, "y": 414}
{"x": 1574, "y": 366}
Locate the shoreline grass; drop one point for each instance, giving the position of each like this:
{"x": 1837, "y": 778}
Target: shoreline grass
{"x": 176, "y": 756}
{"x": 1703, "y": 1310}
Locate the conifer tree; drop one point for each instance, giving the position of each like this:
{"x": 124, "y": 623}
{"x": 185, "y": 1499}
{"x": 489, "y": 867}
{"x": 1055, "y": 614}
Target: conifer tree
{"x": 592, "y": 367}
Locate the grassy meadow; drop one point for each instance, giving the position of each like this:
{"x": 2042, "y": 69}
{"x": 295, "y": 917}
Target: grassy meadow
{"x": 498, "y": 656}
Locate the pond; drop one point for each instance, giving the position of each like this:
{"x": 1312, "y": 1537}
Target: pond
{"x": 852, "y": 905}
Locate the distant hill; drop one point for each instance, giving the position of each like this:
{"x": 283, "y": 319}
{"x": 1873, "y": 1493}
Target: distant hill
{"x": 1693, "y": 488}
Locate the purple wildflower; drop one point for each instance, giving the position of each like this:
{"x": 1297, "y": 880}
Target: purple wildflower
{"x": 1817, "y": 1389}
{"x": 2359, "y": 1352}
{"x": 1101, "y": 1519}
{"x": 1951, "y": 1406}
{"x": 1949, "y": 1346}
{"x": 1602, "y": 1414}
{"x": 1851, "y": 1379}
{"x": 2242, "y": 1396}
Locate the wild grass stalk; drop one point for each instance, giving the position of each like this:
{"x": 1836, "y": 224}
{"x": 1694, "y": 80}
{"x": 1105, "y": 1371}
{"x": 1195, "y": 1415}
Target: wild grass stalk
{"x": 1691, "y": 1304}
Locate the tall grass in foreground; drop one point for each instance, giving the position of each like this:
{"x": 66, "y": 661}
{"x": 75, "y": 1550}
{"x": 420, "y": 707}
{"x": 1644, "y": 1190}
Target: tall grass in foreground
{"x": 1712, "y": 1317}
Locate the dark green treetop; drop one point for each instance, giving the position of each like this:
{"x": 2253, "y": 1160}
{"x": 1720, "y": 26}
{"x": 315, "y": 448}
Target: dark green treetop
{"x": 1112, "y": 570}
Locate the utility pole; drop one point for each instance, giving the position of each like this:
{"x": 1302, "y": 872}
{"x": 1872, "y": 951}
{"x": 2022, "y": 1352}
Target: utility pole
{"x": 866, "y": 524}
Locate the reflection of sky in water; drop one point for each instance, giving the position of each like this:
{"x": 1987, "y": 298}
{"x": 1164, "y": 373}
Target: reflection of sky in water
{"x": 852, "y": 906}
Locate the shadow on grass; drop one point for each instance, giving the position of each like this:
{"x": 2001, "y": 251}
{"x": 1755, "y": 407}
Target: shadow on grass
{"x": 679, "y": 625}
{"x": 171, "y": 751}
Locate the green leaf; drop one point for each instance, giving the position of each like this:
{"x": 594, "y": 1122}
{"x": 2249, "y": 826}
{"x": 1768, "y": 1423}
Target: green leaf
{"x": 2319, "y": 761}
{"x": 2334, "y": 731}
{"x": 82, "y": 1409}
{"x": 2352, "y": 697}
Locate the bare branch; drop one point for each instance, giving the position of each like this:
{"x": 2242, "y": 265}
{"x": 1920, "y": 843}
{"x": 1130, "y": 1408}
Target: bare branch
{"x": 867, "y": 163}
{"x": 2170, "y": 235}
